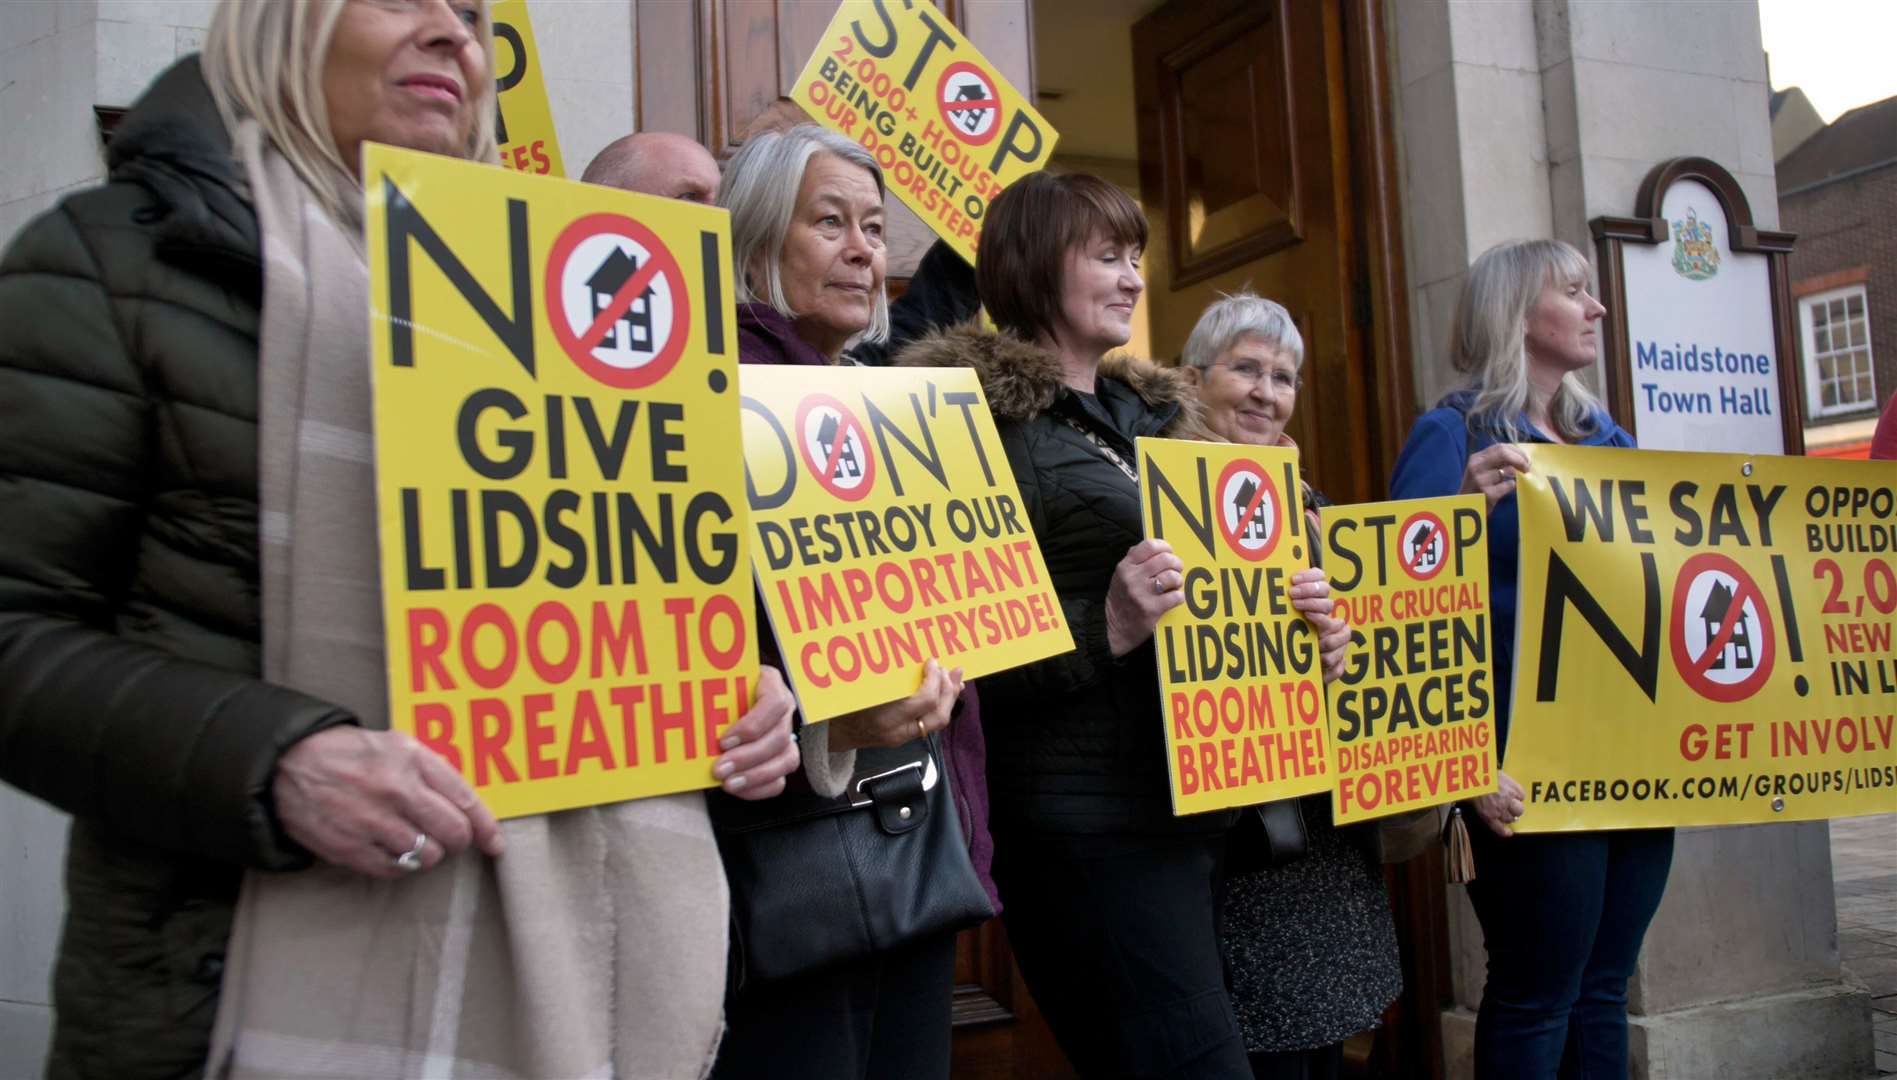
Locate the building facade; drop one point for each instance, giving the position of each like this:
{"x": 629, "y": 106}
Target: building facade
{"x": 1838, "y": 192}
{"x": 1381, "y": 146}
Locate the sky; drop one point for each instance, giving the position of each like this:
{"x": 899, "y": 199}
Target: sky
{"x": 1839, "y": 52}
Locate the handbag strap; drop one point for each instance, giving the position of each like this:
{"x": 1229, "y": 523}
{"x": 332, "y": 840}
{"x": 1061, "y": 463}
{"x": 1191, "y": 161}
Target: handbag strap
{"x": 1106, "y": 451}
{"x": 897, "y": 778}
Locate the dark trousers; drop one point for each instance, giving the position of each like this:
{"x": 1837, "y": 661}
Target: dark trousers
{"x": 1320, "y": 1063}
{"x": 887, "y": 1016}
{"x": 1563, "y": 916}
{"x": 1118, "y": 941}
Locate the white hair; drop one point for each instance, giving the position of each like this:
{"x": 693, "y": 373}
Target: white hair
{"x": 1236, "y": 316}
{"x": 263, "y": 60}
{"x": 1488, "y": 339}
{"x": 760, "y": 189}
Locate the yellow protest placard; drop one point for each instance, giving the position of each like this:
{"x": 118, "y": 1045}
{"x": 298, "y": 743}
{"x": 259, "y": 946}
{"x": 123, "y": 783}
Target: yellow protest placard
{"x": 947, "y": 129}
{"x": 1704, "y": 639}
{"x": 888, "y": 530}
{"x": 524, "y": 124}
{"x": 1413, "y": 714}
{"x": 564, "y": 547}
{"x": 1241, "y": 689}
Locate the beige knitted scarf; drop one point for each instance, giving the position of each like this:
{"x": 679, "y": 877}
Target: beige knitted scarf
{"x": 595, "y": 947}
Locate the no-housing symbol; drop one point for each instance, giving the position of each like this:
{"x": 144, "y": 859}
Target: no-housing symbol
{"x": 970, "y": 106}
{"x": 1424, "y": 545}
{"x": 1722, "y": 629}
{"x": 1247, "y": 509}
{"x": 834, "y": 446}
{"x": 617, "y": 301}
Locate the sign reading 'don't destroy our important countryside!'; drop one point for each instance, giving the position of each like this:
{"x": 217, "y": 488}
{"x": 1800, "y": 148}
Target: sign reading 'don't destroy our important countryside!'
{"x": 523, "y": 118}
{"x": 947, "y": 129}
{"x": 1240, "y": 681}
{"x": 889, "y": 531}
{"x": 1704, "y": 639}
{"x": 568, "y": 616}
{"x": 1413, "y": 715}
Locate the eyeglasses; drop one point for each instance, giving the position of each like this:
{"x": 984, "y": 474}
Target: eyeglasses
{"x": 1255, "y": 373}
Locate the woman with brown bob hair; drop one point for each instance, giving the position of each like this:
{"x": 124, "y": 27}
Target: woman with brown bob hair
{"x": 1110, "y": 900}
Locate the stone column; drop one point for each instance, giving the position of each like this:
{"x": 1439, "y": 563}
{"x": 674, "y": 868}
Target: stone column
{"x": 1529, "y": 117}
{"x": 51, "y": 56}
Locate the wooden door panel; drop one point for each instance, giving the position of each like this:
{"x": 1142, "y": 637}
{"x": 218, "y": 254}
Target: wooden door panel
{"x": 1244, "y": 169}
{"x": 1265, "y": 164}
{"x": 750, "y": 70}
{"x": 999, "y": 1032}
{"x": 1225, "y": 142}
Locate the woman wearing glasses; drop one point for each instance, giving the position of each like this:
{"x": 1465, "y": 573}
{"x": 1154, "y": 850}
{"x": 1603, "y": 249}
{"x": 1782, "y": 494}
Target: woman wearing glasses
{"x": 1310, "y": 943}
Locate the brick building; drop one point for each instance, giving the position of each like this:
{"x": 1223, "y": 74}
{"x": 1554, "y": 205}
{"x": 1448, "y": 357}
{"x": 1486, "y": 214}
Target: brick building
{"x": 1838, "y": 192}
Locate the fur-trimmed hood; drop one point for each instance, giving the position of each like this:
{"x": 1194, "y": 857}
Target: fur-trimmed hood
{"x": 1022, "y": 381}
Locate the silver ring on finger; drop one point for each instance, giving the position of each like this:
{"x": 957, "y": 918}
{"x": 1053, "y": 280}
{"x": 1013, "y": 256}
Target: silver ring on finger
{"x": 411, "y": 860}
{"x": 1158, "y": 585}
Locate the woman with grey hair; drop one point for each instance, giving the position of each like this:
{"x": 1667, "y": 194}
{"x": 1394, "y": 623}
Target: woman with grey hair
{"x": 1563, "y": 914}
{"x": 1310, "y": 942}
{"x": 807, "y": 237}
{"x": 191, "y": 653}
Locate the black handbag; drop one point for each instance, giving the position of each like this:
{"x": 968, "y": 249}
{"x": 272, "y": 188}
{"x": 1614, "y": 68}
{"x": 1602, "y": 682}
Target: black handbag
{"x": 817, "y": 883}
{"x": 1267, "y": 835}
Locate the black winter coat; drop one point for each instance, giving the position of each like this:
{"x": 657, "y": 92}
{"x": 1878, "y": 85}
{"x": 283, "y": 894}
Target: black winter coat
{"x": 1076, "y": 742}
{"x": 129, "y": 615}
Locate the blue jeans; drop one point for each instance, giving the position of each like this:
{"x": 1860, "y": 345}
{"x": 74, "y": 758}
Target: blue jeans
{"x": 1563, "y": 916}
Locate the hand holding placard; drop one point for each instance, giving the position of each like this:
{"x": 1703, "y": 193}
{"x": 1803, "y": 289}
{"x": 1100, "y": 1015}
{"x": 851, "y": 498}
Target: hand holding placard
{"x": 1148, "y": 582}
{"x": 889, "y": 537}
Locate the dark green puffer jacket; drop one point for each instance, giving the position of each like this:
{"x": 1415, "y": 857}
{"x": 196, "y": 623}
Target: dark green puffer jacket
{"x": 129, "y": 618}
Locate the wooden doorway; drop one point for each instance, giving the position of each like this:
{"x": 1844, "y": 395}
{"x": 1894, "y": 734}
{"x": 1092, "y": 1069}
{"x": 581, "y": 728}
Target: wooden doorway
{"x": 1284, "y": 177}
{"x": 1265, "y": 161}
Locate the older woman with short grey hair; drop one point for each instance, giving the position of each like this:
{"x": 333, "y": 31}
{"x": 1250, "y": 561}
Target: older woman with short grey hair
{"x": 1311, "y": 943}
{"x": 1244, "y": 354}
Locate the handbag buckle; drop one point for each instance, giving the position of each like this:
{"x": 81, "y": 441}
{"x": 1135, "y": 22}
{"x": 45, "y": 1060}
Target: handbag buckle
{"x": 859, "y": 798}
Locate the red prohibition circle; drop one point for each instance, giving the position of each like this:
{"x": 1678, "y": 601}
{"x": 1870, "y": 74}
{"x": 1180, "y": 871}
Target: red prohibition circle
{"x": 574, "y": 344}
{"x": 846, "y": 423}
{"x": 1265, "y": 488}
{"x": 942, "y": 103}
{"x": 1693, "y": 670}
{"x": 1403, "y": 554}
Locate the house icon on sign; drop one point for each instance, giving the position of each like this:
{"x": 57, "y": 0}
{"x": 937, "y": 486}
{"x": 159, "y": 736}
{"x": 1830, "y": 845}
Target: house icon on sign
{"x": 632, "y": 331}
{"x": 1421, "y": 555}
{"x": 970, "y": 119}
{"x": 1739, "y": 648}
{"x": 848, "y": 468}
{"x": 1254, "y": 528}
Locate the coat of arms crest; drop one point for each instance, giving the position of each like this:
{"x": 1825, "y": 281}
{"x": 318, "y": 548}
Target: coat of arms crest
{"x": 1695, "y": 254}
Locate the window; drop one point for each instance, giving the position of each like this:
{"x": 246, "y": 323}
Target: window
{"x": 1837, "y": 327}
